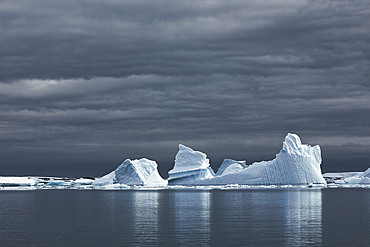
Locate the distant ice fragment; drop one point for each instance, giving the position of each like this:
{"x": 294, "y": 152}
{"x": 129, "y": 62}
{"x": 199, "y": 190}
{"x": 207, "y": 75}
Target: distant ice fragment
{"x": 58, "y": 182}
{"x": 361, "y": 178}
{"x": 338, "y": 177}
{"x": 189, "y": 166}
{"x": 134, "y": 172}
{"x": 17, "y": 181}
{"x": 113, "y": 187}
{"x": 83, "y": 181}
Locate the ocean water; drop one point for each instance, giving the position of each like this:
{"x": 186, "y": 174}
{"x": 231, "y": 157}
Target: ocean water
{"x": 255, "y": 217}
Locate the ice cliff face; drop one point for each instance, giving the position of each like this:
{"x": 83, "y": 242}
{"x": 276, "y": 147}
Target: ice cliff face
{"x": 189, "y": 166}
{"x": 134, "y": 172}
{"x": 295, "y": 164}
{"x": 230, "y": 165}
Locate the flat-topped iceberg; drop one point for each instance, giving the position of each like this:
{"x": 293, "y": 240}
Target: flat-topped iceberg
{"x": 296, "y": 164}
{"x": 189, "y": 166}
{"x": 83, "y": 181}
{"x": 340, "y": 175}
{"x": 17, "y": 181}
{"x": 230, "y": 165}
{"x": 133, "y": 172}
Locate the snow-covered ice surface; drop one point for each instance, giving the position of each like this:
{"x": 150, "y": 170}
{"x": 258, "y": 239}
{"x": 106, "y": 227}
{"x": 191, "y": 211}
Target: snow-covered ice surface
{"x": 229, "y": 162}
{"x": 366, "y": 173}
{"x": 341, "y": 175}
{"x": 142, "y": 172}
{"x": 112, "y": 187}
{"x": 105, "y": 180}
{"x": 83, "y": 181}
{"x": 232, "y": 168}
{"x": 338, "y": 177}
{"x": 189, "y": 166}
{"x": 17, "y": 181}
{"x": 362, "y": 178}
{"x": 59, "y": 182}
{"x": 348, "y": 179}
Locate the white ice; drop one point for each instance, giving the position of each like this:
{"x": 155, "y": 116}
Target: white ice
{"x": 134, "y": 172}
{"x": 83, "y": 181}
{"x": 235, "y": 165}
{"x": 17, "y": 181}
{"x": 189, "y": 160}
{"x": 59, "y": 182}
{"x": 189, "y": 166}
{"x": 340, "y": 175}
{"x": 296, "y": 164}
{"x": 361, "y": 178}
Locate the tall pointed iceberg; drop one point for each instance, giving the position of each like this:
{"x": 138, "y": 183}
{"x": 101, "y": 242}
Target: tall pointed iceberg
{"x": 189, "y": 166}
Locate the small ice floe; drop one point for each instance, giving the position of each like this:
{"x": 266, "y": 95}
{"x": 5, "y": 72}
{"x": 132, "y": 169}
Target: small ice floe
{"x": 17, "y": 181}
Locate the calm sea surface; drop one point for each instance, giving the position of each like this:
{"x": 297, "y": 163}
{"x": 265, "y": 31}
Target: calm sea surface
{"x": 275, "y": 217}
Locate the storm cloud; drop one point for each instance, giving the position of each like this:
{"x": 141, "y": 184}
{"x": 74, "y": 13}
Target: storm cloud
{"x": 87, "y": 84}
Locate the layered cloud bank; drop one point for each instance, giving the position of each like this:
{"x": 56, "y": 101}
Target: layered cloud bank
{"x": 204, "y": 73}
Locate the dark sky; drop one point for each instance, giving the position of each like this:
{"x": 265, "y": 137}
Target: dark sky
{"x": 85, "y": 84}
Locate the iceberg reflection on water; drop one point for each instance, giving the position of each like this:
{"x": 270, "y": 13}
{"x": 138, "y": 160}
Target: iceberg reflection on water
{"x": 303, "y": 218}
{"x": 254, "y": 217}
{"x": 145, "y": 217}
{"x": 192, "y": 215}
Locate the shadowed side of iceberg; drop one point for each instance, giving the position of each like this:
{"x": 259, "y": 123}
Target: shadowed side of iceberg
{"x": 230, "y": 165}
{"x": 142, "y": 172}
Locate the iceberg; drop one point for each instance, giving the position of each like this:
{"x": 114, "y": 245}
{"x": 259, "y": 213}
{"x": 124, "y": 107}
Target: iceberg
{"x": 366, "y": 173}
{"x": 83, "y": 181}
{"x": 142, "y": 172}
{"x": 296, "y": 164}
{"x": 338, "y": 177}
{"x": 17, "y": 181}
{"x": 59, "y": 182}
{"x": 113, "y": 187}
{"x": 189, "y": 166}
{"x": 361, "y": 178}
{"x": 229, "y": 165}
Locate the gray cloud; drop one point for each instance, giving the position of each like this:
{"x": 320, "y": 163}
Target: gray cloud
{"x": 85, "y": 84}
